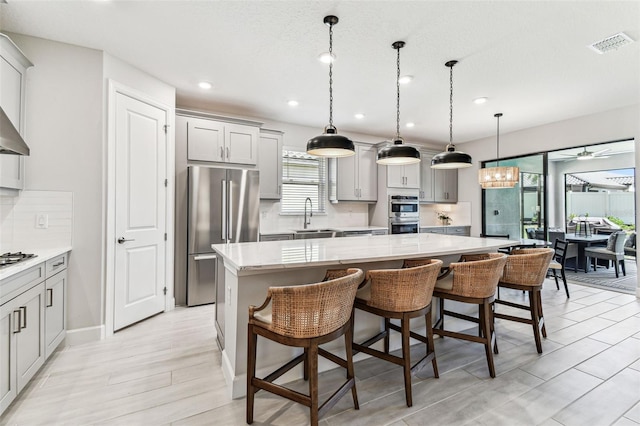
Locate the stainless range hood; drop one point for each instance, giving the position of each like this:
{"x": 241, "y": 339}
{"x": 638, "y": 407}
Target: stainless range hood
{"x": 10, "y": 140}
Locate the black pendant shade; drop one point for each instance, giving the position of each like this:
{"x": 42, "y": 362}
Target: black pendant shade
{"x": 451, "y": 159}
{"x": 398, "y": 153}
{"x": 330, "y": 144}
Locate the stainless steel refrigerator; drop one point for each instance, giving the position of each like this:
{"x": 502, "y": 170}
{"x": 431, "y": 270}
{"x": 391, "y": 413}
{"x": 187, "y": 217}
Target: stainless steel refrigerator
{"x": 224, "y": 206}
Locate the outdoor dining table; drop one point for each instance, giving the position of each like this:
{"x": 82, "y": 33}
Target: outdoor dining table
{"x": 584, "y": 242}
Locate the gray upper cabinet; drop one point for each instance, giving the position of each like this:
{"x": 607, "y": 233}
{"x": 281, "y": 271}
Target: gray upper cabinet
{"x": 445, "y": 183}
{"x": 210, "y": 140}
{"x": 355, "y": 178}
{"x": 270, "y": 164}
{"x": 407, "y": 176}
{"x": 426, "y": 178}
{"x": 13, "y": 69}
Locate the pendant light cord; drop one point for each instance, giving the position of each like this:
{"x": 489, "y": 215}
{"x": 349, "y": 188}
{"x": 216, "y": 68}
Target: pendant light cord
{"x": 398, "y": 97}
{"x": 451, "y": 104}
{"x": 498, "y": 140}
{"x": 331, "y": 75}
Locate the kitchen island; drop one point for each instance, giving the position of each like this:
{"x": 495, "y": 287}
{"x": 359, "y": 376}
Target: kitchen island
{"x": 248, "y": 269}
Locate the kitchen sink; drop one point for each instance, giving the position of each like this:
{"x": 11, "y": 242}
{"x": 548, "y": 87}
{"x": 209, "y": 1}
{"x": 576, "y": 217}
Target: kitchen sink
{"x": 301, "y": 234}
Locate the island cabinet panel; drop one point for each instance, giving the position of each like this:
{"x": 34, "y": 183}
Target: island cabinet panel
{"x": 355, "y": 178}
{"x": 13, "y": 83}
{"x": 270, "y": 164}
{"x": 216, "y": 141}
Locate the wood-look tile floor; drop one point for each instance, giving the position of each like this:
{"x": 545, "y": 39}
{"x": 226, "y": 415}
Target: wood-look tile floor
{"x": 166, "y": 370}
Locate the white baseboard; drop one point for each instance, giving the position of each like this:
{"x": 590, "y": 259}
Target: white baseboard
{"x": 80, "y": 336}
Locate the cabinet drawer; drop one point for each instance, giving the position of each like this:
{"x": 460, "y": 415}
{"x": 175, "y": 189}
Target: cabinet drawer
{"x": 20, "y": 282}
{"x": 432, "y": 230}
{"x": 57, "y": 264}
{"x": 458, "y": 230}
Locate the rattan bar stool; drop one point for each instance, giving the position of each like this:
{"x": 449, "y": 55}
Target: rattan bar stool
{"x": 400, "y": 294}
{"x": 473, "y": 280}
{"x": 305, "y": 316}
{"x": 526, "y": 270}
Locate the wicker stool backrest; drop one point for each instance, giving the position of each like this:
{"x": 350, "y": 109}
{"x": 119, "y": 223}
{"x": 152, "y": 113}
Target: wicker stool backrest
{"x": 478, "y": 278}
{"x": 403, "y": 290}
{"x": 312, "y": 310}
{"x": 527, "y": 266}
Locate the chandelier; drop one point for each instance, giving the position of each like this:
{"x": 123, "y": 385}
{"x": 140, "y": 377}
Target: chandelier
{"x": 499, "y": 176}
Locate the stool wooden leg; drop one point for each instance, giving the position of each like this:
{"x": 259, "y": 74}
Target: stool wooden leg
{"x": 348, "y": 340}
{"x": 313, "y": 383}
{"x": 543, "y": 327}
{"x": 485, "y": 323}
{"x": 305, "y": 372}
{"x": 430, "y": 345}
{"x": 406, "y": 355}
{"x": 387, "y": 322}
{"x": 535, "y": 310}
{"x": 251, "y": 372}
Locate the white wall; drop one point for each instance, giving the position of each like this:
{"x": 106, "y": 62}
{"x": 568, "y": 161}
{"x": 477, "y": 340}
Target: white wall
{"x": 64, "y": 132}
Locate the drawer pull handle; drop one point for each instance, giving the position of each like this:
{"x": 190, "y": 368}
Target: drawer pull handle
{"x": 55, "y": 265}
{"x": 16, "y": 324}
{"x": 49, "y": 297}
{"x": 23, "y": 320}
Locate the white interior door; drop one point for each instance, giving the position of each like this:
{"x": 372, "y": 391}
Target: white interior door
{"x": 140, "y": 210}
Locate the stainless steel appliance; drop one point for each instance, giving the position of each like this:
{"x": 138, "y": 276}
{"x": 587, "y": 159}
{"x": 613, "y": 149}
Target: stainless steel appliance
{"x": 8, "y": 259}
{"x": 404, "y": 214}
{"x": 223, "y": 208}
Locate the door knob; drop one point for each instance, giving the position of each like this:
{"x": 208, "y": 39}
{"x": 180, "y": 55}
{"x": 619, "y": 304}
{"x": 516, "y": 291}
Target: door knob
{"x": 122, "y": 240}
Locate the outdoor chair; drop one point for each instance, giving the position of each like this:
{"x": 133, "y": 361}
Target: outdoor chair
{"x": 614, "y": 251}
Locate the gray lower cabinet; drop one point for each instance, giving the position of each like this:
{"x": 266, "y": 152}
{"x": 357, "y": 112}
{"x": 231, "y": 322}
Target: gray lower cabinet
{"x": 32, "y": 323}
{"x": 448, "y": 230}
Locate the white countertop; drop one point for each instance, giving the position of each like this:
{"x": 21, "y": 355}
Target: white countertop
{"x": 331, "y": 251}
{"x": 442, "y": 226}
{"x": 333, "y": 228}
{"x": 42, "y": 256}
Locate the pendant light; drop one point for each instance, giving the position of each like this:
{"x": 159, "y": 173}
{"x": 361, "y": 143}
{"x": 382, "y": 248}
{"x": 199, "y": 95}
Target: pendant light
{"x": 498, "y": 177}
{"x": 451, "y": 159}
{"x": 330, "y": 144}
{"x": 398, "y": 153}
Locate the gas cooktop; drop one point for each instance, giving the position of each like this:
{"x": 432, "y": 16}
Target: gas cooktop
{"x": 8, "y": 259}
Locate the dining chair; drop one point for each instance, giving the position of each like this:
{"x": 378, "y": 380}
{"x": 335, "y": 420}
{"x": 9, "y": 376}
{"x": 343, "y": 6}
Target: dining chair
{"x": 304, "y": 316}
{"x": 614, "y": 251}
{"x": 473, "y": 280}
{"x": 561, "y": 252}
{"x": 525, "y": 270}
{"x": 400, "y": 294}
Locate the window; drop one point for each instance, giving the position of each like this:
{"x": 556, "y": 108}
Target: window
{"x": 303, "y": 176}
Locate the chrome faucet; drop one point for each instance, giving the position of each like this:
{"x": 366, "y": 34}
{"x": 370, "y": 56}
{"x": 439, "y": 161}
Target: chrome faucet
{"x": 308, "y": 222}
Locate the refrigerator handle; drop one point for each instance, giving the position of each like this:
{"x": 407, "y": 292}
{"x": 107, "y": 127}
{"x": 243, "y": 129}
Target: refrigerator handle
{"x": 224, "y": 210}
{"x": 230, "y": 232}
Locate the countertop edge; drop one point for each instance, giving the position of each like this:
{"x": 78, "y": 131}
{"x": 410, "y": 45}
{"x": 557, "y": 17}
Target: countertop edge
{"x": 42, "y": 256}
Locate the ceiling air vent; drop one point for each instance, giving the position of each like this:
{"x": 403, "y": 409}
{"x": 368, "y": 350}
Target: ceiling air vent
{"x": 610, "y": 43}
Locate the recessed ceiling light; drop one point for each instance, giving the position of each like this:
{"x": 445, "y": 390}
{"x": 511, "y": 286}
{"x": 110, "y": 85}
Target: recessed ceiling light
{"x": 405, "y": 79}
{"x": 480, "y": 101}
{"x": 359, "y": 116}
{"x": 410, "y": 124}
{"x": 326, "y": 58}
{"x": 292, "y": 103}
{"x": 205, "y": 85}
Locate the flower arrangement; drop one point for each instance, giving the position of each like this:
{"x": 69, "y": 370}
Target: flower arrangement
{"x": 444, "y": 218}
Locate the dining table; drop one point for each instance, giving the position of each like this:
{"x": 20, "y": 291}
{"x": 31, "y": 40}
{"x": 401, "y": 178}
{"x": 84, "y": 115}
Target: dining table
{"x": 583, "y": 242}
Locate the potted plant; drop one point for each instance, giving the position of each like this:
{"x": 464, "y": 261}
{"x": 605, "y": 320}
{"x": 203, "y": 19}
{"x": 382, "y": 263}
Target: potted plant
{"x": 444, "y": 218}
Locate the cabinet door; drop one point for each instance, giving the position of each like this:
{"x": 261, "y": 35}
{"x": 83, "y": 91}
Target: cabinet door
{"x": 445, "y": 185}
{"x": 347, "y": 179}
{"x": 205, "y": 140}
{"x": 395, "y": 176}
{"x": 8, "y": 383}
{"x": 367, "y": 173}
{"x": 412, "y": 175}
{"x": 11, "y": 98}
{"x": 426, "y": 178}
{"x": 270, "y": 165}
{"x": 30, "y": 338}
{"x": 55, "y": 308}
{"x": 241, "y": 144}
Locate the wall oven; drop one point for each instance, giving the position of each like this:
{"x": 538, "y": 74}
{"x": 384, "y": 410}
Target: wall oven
{"x": 404, "y": 214}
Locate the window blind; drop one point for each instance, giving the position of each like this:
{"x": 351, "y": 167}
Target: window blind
{"x": 303, "y": 176}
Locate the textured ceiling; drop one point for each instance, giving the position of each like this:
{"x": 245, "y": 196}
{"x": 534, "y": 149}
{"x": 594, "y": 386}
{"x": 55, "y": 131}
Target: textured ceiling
{"x": 529, "y": 58}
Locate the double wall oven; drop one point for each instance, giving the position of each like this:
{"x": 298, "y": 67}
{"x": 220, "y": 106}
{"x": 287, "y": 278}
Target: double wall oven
{"x": 404, "y": 214}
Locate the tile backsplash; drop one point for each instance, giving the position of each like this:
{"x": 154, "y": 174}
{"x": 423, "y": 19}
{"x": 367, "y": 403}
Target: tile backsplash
{"x": 36, "y": 220}
{"x": 460, "y": 213}
{"x": 337, "y": 214}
